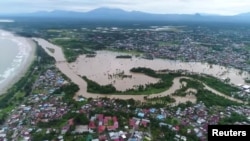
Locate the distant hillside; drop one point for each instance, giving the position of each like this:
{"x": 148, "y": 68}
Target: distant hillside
{"x": 118, "y": 14}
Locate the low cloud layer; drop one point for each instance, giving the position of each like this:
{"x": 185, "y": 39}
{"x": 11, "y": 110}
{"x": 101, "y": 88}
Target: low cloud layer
{"x": 222, "y": 7}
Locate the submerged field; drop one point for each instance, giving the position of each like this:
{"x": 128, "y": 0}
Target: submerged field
{"x": 104, "y": 70}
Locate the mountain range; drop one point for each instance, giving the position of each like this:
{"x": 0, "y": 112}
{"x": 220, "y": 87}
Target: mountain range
{"x": 118, "y": 14}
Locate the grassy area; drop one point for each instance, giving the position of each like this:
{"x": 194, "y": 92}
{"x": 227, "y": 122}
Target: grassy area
{"x": 4, "y": 112}
{"x": 94, "y": 87}
{"x": 72, "y": 48}
{"x": 19, "y": 95}
{"x": 22, "y": 86}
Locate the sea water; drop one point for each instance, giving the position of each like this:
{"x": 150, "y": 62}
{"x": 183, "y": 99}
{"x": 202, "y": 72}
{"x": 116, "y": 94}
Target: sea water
{"x": 12, "y": 56}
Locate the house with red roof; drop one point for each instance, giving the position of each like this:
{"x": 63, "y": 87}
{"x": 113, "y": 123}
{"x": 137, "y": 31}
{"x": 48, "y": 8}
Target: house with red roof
{"x": 111, "y": 123}
{"x": 104, "y": 122}
{"x": 103, "y": 138}
{"x": 71, "y": 122}
{"x": 134, "y": 123}
{"x": 176, "y": 128}
{"x": 144, "y": 123}
{"x": 92, "y": 125}
{"x": 101, "y": 128}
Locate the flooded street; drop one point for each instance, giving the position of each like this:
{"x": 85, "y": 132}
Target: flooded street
{"x": 105, "y": 69}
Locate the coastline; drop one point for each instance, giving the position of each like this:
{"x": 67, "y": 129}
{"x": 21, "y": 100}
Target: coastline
{"x": 29, "y": 57}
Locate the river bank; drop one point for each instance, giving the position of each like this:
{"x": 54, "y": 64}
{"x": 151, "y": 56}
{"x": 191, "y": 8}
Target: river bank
{"x": 101, "y": 63}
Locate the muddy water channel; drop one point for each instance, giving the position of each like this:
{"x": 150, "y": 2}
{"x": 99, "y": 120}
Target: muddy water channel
{"x": 100, "y": 68}
{"x": 105, "y": 69}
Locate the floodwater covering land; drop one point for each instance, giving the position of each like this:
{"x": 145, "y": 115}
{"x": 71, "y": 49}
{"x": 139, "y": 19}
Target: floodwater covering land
{"x": 104, "y": 69}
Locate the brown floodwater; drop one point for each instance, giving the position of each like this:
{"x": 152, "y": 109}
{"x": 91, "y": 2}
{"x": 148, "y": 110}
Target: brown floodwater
{"x": 105, "y": 69}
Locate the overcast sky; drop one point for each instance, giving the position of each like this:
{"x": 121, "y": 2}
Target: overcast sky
{"x": 222, "y": 7}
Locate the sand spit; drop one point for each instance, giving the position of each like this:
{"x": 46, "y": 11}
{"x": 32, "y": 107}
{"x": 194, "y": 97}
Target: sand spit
{"x": 104, "y": 64}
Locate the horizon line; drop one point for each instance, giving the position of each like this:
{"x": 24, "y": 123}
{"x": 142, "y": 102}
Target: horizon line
{"x": 114, "y": 8}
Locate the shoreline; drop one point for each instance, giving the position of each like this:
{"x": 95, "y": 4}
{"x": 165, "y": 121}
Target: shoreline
{"x": 20, "y": 71}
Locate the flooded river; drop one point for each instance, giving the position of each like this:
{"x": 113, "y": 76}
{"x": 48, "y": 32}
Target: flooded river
{"x": 105, "y": 68}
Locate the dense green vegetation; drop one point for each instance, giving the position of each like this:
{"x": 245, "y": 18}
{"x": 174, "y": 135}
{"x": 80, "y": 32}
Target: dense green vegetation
{"x": 58, "y": 124}
{"x": 159, "y": 102}
{"x": 146, "y": 71}
{"x": 216, "y": 84}
{"x": 211, "y": 99}
{"x": 164, "y": 133}
{"x": 69, "y": 92}
{"x": 43, "y": 59}
{"x": 81, "y": 119}
{"x": 124, "y": 56}
{"x": 206, "y": 96}
{"x": 247, "y": 80}
{"x": 189, "y": 84}
{"x": 166, "y": 81}
{"x": 72, "y": 48}
{"x": 235, "y": 117}
{"x": 94, "y": 87}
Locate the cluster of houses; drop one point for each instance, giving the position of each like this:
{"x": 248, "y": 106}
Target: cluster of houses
{"x": 243, "y": 110}
{"x": 50, "y": 108}
{"x": 245, "y": 88}
{"x": 43, "y": 107}
{"x": 196, "y": 117}
{"x": 107, "y": 127}
{"x": 104, "y": 123}
{"x": 244, "y": 92}
{"x": 195, "y": 45}
{"x": 50, "y": 81}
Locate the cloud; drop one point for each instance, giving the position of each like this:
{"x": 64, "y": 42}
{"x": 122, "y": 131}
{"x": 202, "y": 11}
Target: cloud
{"x": 226, "y": 7}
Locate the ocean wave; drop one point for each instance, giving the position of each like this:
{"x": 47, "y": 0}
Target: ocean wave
{"x": 6, "y": 74}
{"x": 17, "y": 63}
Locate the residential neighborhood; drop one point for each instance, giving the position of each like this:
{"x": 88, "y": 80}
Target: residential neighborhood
{"x": 45, "y": 105}
{"x": 108, "y": 119}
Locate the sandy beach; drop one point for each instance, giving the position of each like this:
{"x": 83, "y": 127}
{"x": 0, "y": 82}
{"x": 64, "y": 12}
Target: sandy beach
{"x": 27, "y": 52}
{"x": 104, "y": 64}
